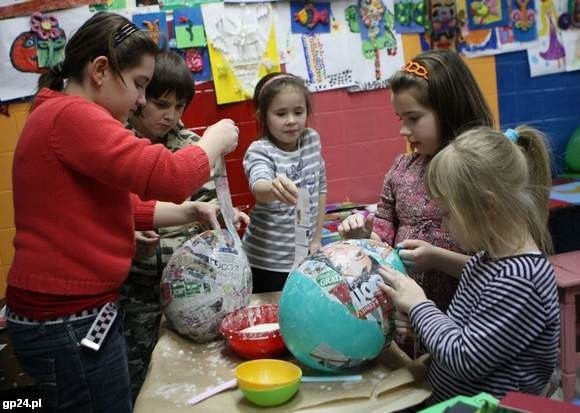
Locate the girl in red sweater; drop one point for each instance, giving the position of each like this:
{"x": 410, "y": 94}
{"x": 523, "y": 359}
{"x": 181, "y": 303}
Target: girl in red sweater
{"x": 79, "y": 178}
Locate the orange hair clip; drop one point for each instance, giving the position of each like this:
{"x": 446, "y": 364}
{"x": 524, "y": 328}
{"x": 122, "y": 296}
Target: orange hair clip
{"x": 416, "y": 69}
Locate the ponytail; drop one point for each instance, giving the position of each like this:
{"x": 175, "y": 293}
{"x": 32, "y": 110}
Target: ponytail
{"x": 534, "y": 146}
{"x": 53, "y": 78}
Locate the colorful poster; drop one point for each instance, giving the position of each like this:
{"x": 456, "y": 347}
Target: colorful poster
{"x": 548, "y": 55}
{"x": 18, "y": 48}
{"x": 485, "y": 14}
{"x": 410, "y": 16}
{"x": 155, "y": 24}
{"x": 188, "y": 27}
{"x": 310, "y": 18}
{"x": 319, "y": 59}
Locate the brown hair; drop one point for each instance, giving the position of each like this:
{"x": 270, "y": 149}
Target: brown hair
{"x": 496, "y": 189}
{"x": 268, "y": 87}
{"x": 171, "y": 76}
{"x": 451, "y": 92}
{"x": 96, "y": 38}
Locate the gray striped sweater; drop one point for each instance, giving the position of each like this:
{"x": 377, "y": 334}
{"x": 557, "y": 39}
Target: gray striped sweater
{"x": 501, "y": 330}
{"x": 269, "y": 240}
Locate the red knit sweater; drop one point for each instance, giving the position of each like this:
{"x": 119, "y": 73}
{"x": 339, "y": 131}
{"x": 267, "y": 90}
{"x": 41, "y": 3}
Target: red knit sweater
{"x": 75, "y": 167}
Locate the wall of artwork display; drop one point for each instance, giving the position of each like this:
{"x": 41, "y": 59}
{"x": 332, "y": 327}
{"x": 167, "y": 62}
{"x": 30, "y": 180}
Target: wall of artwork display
{"x": 331, "y": 44}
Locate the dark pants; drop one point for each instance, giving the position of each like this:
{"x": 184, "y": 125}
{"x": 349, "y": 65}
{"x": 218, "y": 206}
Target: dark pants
{"x": 265, "y": 281}
{"x": 74, "y": 378}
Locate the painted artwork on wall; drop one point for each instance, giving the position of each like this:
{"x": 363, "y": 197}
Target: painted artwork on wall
{"x": 571, "y": 42}
{"x": 320, "y": 58}
{"x": 380, "y": 45}
{"x": 197, "y": 60}
{"x": 485, "y": 14}
{"x": 548, "y": 55}
{"x": 27, "y": 46}
{"x": 310, "y": 18}
{"x": 410, "y": 16}
{"x": 155, "y": 24}
{"x": 188, "y": 28}
{"x": 242, "y": 47}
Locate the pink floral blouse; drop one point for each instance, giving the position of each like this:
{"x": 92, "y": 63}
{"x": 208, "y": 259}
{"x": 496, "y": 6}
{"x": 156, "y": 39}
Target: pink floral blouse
{"x": 406, "y": 212}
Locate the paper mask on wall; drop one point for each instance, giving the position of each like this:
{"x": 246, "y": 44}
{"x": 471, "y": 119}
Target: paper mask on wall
{"x": 39, "y": 48}
{"x": 445, "y": 26}
{"x": 242, "y": 47}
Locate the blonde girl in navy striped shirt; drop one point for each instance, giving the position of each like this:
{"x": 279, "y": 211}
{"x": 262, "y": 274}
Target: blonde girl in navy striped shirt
{"x": 501, "y": 330}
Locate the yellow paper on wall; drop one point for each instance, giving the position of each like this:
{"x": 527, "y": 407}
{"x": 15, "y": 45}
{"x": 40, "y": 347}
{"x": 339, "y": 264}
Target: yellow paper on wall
{"x": 228, "y": 87}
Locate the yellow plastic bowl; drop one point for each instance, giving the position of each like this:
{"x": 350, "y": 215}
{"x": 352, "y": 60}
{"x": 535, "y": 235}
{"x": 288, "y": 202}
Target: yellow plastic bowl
{"x": 264, "y": 374}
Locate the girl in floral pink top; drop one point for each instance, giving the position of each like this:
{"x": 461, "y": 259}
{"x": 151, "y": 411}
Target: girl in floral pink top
{"x": 436, "y": 98}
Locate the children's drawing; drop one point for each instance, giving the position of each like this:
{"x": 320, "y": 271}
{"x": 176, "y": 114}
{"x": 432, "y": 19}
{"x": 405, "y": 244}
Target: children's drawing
{"x": 410, "y": 16}
{"x": 31, "y": 44}
{"x": 39, "y": 48}
{"x": 188, "y": 27}
{"x": 548, "y": 55}
{"x": 310, "y": 18}
{"x": 571, "y": 41}
{"x": 197, "y": 60}
{"x": 375, "y": 23}
{"x": 487, "y": 13}
{"x": 242, "y": 47}
{"x": 156, "y": 26}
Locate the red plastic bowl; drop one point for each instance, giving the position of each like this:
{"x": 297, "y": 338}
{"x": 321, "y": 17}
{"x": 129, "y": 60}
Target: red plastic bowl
{"x": 253, "y": 345}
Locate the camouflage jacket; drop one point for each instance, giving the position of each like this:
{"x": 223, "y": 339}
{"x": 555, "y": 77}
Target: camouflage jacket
{"x": 148, "y": 270}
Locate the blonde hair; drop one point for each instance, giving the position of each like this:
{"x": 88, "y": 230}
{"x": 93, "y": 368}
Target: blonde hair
{"x": 496, "y": 189}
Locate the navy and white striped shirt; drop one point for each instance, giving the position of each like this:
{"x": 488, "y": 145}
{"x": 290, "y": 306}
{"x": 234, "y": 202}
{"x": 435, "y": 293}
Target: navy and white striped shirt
{"x": 501, "y": 330}
{"x": 269, "y": 240}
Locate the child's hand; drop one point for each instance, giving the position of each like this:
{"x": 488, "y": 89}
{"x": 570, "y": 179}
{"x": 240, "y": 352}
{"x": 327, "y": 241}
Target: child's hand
{"x": 403, "y": 325}
{"x": 241, "y": 219}
{"x": 206, "y": 213}
{"x": 356, "y": 226}
{"x": 314, "y": 246}
{"x": 219, "y": 139}
{"x": 284, "y": 190}
{"x": 145, "y": 243}
{"x": 403, "y": 290}
{"x": 417, "y": 255}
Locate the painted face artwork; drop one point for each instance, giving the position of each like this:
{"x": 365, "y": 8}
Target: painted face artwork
{"x": 41, "y": 47}
{"x": 286, "y": 118}
{"x": 158, "y": 116}
{"x": 419, "y": 123}
{"x": 23, "y": 53}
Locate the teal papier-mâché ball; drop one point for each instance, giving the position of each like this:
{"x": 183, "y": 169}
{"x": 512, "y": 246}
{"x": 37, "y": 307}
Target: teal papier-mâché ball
{"x": 332, "y": 314}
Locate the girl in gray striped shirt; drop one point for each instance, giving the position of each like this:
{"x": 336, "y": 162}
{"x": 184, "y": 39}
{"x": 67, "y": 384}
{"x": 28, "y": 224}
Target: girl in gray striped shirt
{"x": 286, "y": 158}
{"x": 501, "y": 330}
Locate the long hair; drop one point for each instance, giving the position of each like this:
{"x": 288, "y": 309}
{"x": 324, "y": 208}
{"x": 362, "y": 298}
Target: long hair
{"x": 495, "y": 189}
{"x": 450, "y": 91}
{"x": 96, "y": 38}
{"x": 267, "y": 89}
